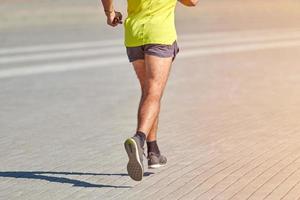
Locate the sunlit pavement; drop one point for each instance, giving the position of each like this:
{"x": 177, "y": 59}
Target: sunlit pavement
{"x": 229, "y": 121}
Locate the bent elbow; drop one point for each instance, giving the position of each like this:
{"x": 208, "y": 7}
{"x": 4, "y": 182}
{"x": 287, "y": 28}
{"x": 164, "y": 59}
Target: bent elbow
{"x": 194, "y": 2}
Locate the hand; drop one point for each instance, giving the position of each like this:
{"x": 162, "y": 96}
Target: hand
{"x": 114, "y": 18}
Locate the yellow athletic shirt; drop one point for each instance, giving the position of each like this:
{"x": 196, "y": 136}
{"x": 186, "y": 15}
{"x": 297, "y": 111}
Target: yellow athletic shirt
{"x": 150, "y": 22}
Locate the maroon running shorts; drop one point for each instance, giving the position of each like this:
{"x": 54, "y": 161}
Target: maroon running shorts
{"x": 160, "y": 50}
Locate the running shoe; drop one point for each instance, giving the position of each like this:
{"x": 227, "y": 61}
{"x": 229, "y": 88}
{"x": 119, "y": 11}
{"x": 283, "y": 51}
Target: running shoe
{"x": 156, "y": 160}
{"x": 135, "y": 154}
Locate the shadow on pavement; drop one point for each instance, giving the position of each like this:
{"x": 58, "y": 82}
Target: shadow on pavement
{"x": 42, "y": 175}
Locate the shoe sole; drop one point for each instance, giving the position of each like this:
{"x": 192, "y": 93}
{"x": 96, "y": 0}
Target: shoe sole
{"x": 134, "y": 166}
{"x": 155, "y": 166}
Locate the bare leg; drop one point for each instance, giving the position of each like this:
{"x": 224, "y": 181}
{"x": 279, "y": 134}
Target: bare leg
{"x": 152, "y": 136}
{"x": 157, "y": 73}
{"x": 153, "y": 74}
{"x": 140, "y": 70}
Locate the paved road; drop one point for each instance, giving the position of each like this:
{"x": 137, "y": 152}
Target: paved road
{"x": 229, "y": 123}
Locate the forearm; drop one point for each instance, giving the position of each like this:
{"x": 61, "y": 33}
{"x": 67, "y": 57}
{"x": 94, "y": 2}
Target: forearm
{"x": 189, "y": 2}
{"x": 108, "y": 5}
{"x": 113, "y": 17}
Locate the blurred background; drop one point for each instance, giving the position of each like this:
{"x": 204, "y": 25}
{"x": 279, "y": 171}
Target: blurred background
{"x": 35, "y": 21}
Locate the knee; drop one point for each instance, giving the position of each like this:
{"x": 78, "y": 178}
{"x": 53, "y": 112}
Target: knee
{"x": 152, "y": 92}
{"x": 152, "y": 96}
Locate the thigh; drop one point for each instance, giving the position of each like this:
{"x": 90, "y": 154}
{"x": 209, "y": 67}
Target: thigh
{"x": 140, "y": 70}
{"x": 157, "y": 72}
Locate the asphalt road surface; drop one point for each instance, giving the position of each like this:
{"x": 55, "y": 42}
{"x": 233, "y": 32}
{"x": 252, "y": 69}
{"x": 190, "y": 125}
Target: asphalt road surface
{"x": 229, "y": 122}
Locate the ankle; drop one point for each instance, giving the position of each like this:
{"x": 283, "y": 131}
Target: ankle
{"x": 152, "y": 147}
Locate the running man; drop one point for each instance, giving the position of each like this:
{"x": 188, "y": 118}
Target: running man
{"x": 150, "y": 40}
